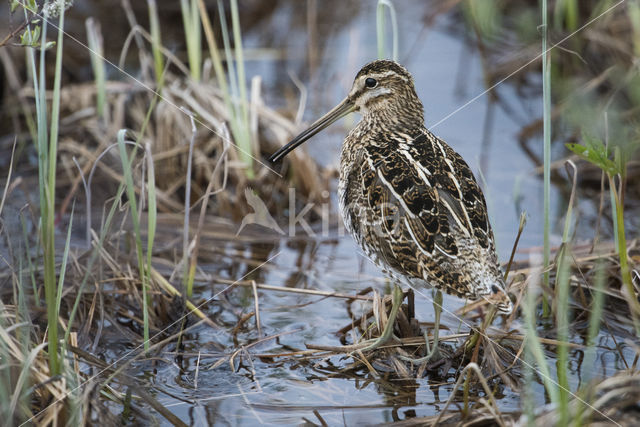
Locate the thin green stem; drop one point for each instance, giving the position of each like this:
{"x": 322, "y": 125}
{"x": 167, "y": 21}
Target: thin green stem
{"x": 239, "y": 57}
{"x": 387, "y": 333}
{"x": 381, "y": 27}
{"x": 107, "y": 225}
{"x": 95, "y": 42}
{"x": 214, "y": 54}
{"x": 151, "y": 232}
{"x": 595, "y": 317}
{"x": 131, "y": 195}
{"x": 533, "y": 346}
{"x": 625, "y": 271}
{"x": 235, "y": 64}
{"x": 156, "y": 43}
{"x": 49, "y": 194}
{"x": 562, "y": 308}
{"x": 193, "y": 36}
{"x": 546, "y": 96}
{"x": 562, "y": 322}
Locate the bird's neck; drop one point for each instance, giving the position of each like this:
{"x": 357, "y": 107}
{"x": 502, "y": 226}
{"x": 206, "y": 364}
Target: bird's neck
{"x": 381, "y": 128}
{"x": 404, "y": 114}
{"x": 391, "y": 120}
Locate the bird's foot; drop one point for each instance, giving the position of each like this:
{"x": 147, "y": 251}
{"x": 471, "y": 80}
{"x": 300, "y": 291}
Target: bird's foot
{"x": 387, "y": 333}
{"x": 432, "y": 353}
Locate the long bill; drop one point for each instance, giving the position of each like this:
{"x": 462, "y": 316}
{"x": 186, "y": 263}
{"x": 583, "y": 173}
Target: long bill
{"x": 339, "y": 111}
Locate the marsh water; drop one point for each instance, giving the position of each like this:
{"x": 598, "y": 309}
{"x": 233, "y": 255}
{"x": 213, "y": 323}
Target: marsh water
{"x": 449, "y": 80}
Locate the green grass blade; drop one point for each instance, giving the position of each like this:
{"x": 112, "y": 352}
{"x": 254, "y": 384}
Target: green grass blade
{"x": 32, "y": 271}
{"x": 214, "y": 54}
{"x": 546, "y": 95}
{"x": 187, "y": 283}
{"x": 152, "y": 210}
{"x": 239, "y": 57}
{"x": 93, "y": 258}
{"x": 95, "y": 42}
{"x": 239, "y": 115}
{"x": 49, "y": 220}
{"x": 107, "y": 224}
{"x": 595, "y": 318}
{"x": 614, "y": 215}
{"x": 25, "y": 372}
{"x": 566, "y": 15}
{"x": 156, "y": 43}
{"x": 625, "y": 271}
{"x": 131, "y": 195}
{"x": 562, "y": 309}
{"x": 381, "y": 29}
{"x": 533, "y": 345}
{"x": 634, "y": 18}
{"x": 562, "y": 322}
{"x": 65, "y": 257}
{"x": 193, "y": 36}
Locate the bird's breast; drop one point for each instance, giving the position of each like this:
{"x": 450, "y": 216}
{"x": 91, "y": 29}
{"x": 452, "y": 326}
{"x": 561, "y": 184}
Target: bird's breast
{"x": 348, "y": 183}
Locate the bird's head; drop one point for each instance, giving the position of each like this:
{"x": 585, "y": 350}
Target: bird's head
{"x": 383, "y": 90}
{"x": 384, "y": 87}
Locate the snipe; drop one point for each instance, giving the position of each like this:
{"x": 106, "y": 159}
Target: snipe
{"x": 409, "y": 200}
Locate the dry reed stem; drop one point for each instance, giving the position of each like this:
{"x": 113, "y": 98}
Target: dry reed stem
{"x": 254, "y": 287}
{"x": 326, "y": 294}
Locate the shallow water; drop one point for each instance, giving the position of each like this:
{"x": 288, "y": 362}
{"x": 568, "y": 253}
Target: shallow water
{"x": 449, "y": 80}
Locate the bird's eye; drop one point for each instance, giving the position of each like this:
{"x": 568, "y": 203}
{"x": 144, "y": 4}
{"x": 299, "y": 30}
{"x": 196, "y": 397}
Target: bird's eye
{"x": 370, "y": 82}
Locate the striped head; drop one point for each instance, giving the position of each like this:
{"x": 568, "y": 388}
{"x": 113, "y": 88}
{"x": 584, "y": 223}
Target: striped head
{"x": 382, "y": 91}
{"x": 385, "y": 86}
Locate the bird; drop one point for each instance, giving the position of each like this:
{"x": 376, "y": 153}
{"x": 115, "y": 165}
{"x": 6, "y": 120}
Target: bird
{"x": 409, "y": 200}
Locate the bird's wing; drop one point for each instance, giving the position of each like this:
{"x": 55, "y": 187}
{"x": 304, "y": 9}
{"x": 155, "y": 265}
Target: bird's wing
{"x": 455, "y": 184}
{"x": 427, "y": 197}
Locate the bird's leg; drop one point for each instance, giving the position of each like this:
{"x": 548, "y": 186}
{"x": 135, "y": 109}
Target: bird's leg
{"x": 397, "y": 298}
{"x": 431, "y": 352}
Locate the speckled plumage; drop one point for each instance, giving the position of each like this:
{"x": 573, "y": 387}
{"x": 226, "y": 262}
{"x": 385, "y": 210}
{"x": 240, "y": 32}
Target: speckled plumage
{"x": 410, "y": 201}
